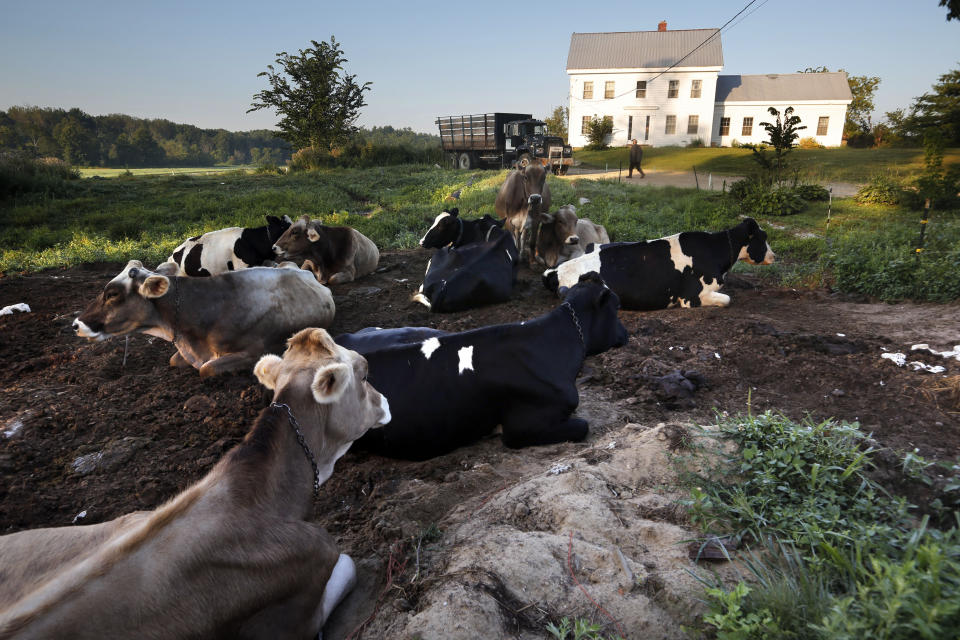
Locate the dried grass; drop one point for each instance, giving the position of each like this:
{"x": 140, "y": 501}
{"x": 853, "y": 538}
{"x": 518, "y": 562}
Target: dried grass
{"x": 944, "y": 392}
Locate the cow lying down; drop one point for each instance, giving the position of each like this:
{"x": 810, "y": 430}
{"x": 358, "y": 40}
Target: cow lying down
{"x": 334, "y": 254}
{"x": 448, "y": 390}
{"x": 230, "y": 249}
{"x": 684, "y": 270}
{"x": 218, "y": 324}
{"x": 236, "y": 555}
{"x": 471, "y": 275}
{"x": 563, "y": 236}
{"x": 449, "y": 228}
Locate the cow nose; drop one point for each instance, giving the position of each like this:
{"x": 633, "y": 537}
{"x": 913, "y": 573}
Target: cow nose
{"x": 534, "y": 199}
{"x": 277, "y": 250}
{"x": 76, "y": 324}
{"x": 573, "y": 240}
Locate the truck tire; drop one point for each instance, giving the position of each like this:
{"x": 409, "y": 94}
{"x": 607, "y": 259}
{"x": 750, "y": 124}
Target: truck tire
{"x": 524, "y": 160}
{"x": 466, "y": 161}
{"x": 563, "y": 169}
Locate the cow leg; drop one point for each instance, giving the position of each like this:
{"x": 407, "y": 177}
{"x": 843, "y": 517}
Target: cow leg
{"x": 340, "y": 278}
{"x": 229, "y": 362}
{"x": 177, "y": 360}
{"x": 535, "y": 425}
{"x": 714, "y": 299}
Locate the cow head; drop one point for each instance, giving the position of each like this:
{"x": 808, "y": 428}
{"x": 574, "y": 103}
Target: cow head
{"x": 125, "y": 304}
{"x": 276, "y": 226}
{"x": 534, "y": 178}
{"x": 596, "y": 308}
{"x": 326, "y": 384}
{"x": 756, "y": 249}
{"x": 447, "y": 227}
{"x": 298, "y": 238}
{"x": 556, "y": 230}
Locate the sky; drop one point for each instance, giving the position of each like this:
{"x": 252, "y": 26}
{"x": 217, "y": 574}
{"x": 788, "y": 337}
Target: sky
{"x": 197, "y": 62}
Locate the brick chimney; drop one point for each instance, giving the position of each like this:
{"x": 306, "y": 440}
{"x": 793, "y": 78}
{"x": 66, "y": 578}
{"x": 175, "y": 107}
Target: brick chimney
{"x": 662, "y": 26}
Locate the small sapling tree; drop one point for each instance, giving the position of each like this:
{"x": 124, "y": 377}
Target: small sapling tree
{"x": 598, "y": 130}
{"x": 318, "y": 102}
{"x": 783, "y": 137}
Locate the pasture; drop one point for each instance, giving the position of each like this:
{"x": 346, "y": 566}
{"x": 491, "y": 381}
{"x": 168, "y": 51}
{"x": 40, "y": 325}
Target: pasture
{"x": 484, "y": 538}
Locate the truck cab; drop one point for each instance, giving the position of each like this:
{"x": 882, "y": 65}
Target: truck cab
{"x": 525, "y": 140}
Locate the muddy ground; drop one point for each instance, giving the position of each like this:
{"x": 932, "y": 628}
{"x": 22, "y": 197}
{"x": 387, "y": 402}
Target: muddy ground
{"x": 90, "y": 431}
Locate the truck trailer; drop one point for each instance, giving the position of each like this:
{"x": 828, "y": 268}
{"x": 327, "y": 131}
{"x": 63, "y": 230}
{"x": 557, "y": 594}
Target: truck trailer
{"x": 502, "y": 140}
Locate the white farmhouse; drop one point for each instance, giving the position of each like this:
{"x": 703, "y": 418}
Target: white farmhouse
{"x": 664, "y": 88}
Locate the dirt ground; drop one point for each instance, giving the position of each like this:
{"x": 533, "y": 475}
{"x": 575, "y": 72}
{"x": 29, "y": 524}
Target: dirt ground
{"x": 90, "y": 431}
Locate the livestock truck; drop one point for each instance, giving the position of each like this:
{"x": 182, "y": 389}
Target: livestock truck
{"x": 502, "y": 140}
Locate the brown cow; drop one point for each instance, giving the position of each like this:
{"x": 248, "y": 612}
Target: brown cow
{"x": 524, "y": 194}
{"x": 218, "y": 324}
{"x": 334, "y": 254}
{"x": 564, "y": 237}
{"x": 236, "y": 555}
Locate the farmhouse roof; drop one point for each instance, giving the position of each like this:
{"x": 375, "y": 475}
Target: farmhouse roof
{"x": 645, "y": 49}
{"x": 783, "y": 87}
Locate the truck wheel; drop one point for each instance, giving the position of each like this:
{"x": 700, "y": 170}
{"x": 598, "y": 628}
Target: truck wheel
{"x": 466, "y": 162}
{"x": 524, "y": 160}
{"x": 563, "y": 169}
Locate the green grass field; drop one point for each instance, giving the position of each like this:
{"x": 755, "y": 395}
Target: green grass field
{"x": 842, "y": 165}
{"x": 868, "y": 249}
{"x": 103, "y": 172}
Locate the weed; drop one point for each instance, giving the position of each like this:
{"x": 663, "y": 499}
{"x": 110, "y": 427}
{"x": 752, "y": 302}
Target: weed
{"x": 578, "y": 629}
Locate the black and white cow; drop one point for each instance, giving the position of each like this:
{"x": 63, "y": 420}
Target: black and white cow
{"x": 682, "y": 270}
{"x": 449, "y": 228}
{"x": 224, "y": 250}
{"x": 448, "y": 390}
{"x": 217, "y": 324}
{"x": 471, "y": 275}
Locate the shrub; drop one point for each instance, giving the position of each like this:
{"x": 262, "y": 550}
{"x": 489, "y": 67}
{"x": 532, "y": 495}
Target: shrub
{"x": 21, "y": 173}
{"x": 696, "y": 142}
{"x": 812, "y": 192}
{"x": 598, "y": 130}
{"x": 310, "y": 159}
{"x": 880, "y": 190}
{"x": 809, "y": 143}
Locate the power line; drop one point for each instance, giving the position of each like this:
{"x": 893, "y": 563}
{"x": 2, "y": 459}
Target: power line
{"x": 711, "y": 37}
{"x": 705, "y": 42}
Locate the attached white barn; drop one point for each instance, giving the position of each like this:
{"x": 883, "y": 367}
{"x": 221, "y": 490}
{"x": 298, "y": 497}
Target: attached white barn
{"x": 664, "y": 88}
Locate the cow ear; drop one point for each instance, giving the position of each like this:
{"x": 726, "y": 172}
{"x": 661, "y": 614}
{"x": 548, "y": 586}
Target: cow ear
{"x": 454, "y": 212}
{"x": 273, "y": 220}
{"x": 155, "y": 286}
{"x": 752, "y": 226}
{"x": 601, "y": 298}
{"x": 167, "y": 269}
{"x": 547, "y": 218}
{"x": 267, "y": 369}
{"x": 287, "y": 220}
{"x": 312, "y": 234}
{"x": 330, "y": 382}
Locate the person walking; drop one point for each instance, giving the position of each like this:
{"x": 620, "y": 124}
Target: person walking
{"x": 636, "y": 156}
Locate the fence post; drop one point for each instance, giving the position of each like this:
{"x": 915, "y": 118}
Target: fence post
{"x": 829, "y": 204}
{"x": 710, "y": 181}
{"x": 619, "y": 171}
{"x": 695, "y": 177}
{"x": 923, "y": 227}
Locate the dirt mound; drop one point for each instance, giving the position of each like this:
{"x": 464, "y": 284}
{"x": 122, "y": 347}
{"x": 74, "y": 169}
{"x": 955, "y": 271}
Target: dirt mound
{"x": 102, "y": 429}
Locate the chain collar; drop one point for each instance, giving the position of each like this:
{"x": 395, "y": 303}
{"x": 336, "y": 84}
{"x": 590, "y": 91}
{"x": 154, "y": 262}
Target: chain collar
{"x": 576, "y": 321}
{"x": 303, "y": 444}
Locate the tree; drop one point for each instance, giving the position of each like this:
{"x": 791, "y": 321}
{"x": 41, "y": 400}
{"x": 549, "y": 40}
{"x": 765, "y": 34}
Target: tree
{"x": 858, "y": 112}
{"x": 319, "y": 103}
{"x": 940, "y": 109}
{"x": 598, "y": 130}
{"x": 953, "y": 9}
{"x": 557, "y": 122}
{"x": 783, "y": 136}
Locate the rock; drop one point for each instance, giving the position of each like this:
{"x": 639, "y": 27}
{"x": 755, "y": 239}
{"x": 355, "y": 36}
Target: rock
{"x": 677, "y": 388}
{"x": 364, "y": 292}
{"x": 113, "y": 455}
{"x": 199, "y": 404}
{"x": 521, "y": 510}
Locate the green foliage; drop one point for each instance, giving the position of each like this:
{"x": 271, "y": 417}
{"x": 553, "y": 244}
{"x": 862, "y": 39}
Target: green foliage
{"x": 557, "y": 121}
{"x": 578, "y": 629}
{"x": 759, "y": 196}
{"x": 20, "y": 174}
{"x": 850, "y": 562}
{"x": 953, "y": 9}
{"x": 940, "y": 186}
{"x": 598, "y": 131}
{"x": 782, "y": 136}
{"x": 882, "y": 189}
{"x": 940, "y": 109}
{"x": 809, "y": 143}
{"x": 319, "y": 103}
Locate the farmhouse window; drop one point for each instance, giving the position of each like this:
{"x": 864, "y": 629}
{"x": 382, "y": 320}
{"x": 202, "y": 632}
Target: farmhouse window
{"x": 695, "y": 88}
{"x": 671, "y": 127}
{"x": 822, "y": 125}
{"x": 641, "y": 88}
{"x": 585, "y": 127}
{"x": 724, "y": 126}
{"x": 693, "y": 125}
{"x": 588, "y": 90}
{"x": 674, "y": 89}
{"x": 747, "y": 127}
{"x": 608, "y": 89}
